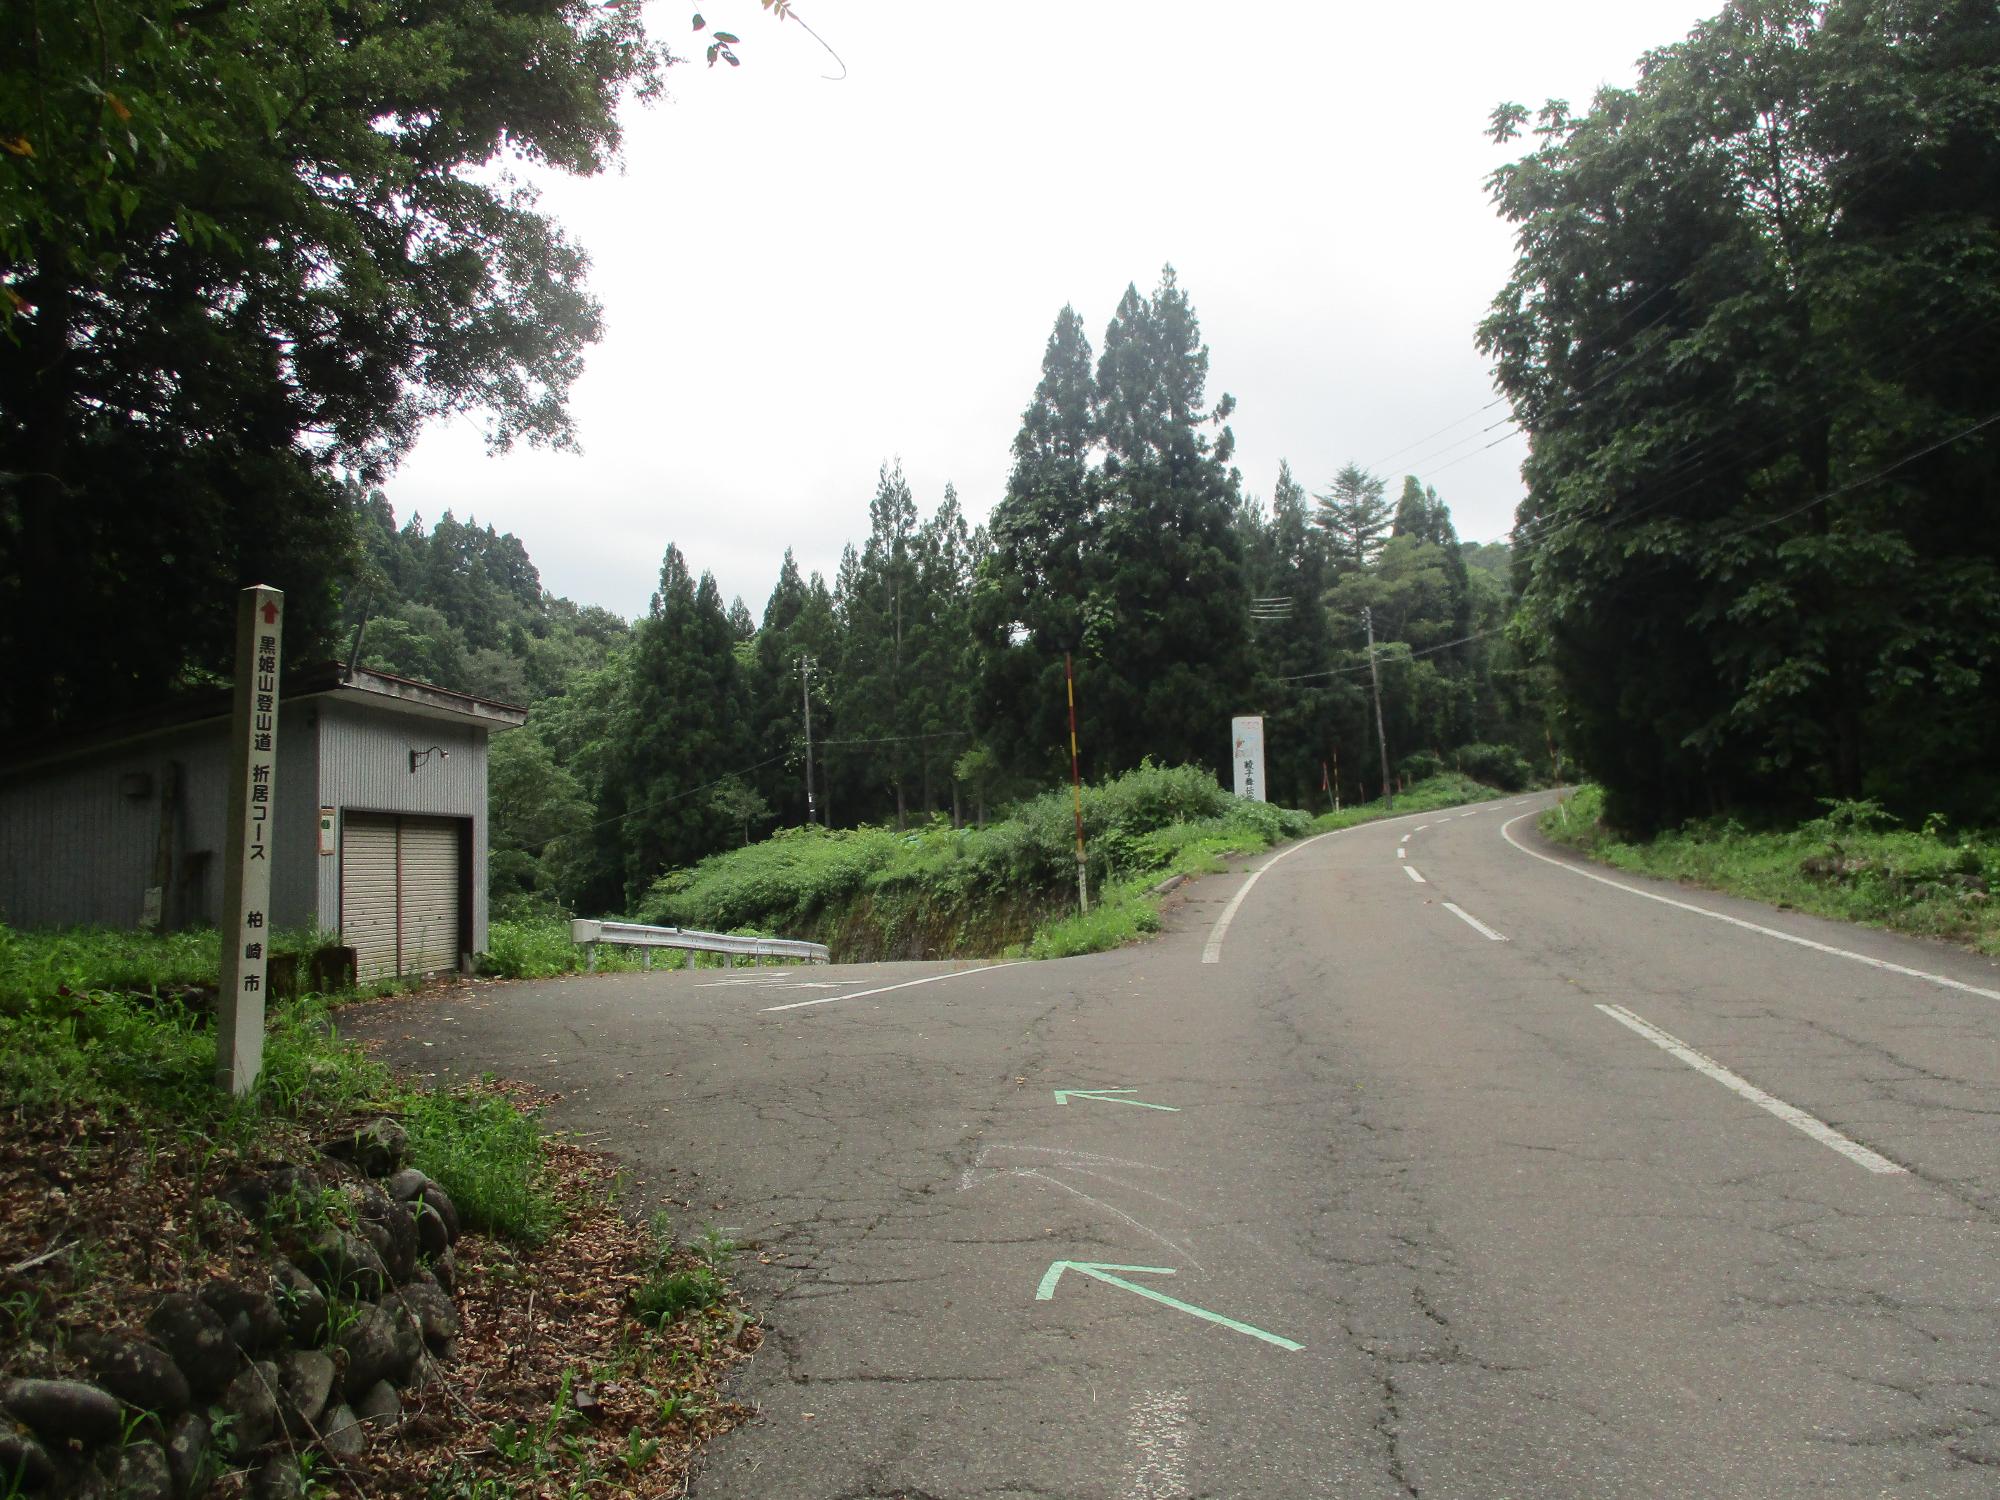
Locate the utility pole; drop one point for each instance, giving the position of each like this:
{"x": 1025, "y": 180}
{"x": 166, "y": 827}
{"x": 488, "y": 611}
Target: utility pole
{"x": 805, "y": 697}
{"x": 1076, "y": 789}
{"x": 1375, "y": 680}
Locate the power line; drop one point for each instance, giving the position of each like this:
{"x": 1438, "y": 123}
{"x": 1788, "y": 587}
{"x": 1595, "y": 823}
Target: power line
{"x": 1477, "y": 635}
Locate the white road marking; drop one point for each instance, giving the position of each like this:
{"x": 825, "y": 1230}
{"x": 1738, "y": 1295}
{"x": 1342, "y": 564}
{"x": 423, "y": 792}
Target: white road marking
{"x": 906, "y": 984}
{"x": 1402, "y": 854}
{"x": 1158, "y": 1470}
{"x": 768, "y": 982}
{"x": 1405, "y": 838}
{"x": 1473, "y": 922}
{"x": 1411, "y": 871}
{"x": 1422, "y": 826}
{"x": 1211, "y": 952}
{"x": 1703, "y": 911}
{"x": 1793, "y": 1116}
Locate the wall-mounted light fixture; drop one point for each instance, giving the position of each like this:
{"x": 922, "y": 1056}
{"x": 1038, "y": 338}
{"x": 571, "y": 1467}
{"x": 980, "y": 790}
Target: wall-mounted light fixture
{"x": 418, "y": 757}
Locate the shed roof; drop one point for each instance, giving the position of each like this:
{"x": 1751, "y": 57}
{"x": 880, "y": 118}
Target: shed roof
{"x": 382, "y": 691}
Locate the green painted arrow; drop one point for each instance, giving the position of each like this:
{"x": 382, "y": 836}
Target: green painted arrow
{"x": 1105, "y": 1096}
{"x": 1107, "y": 1274}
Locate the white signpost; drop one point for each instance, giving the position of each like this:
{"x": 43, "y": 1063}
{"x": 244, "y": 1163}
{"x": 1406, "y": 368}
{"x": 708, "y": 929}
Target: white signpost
{"x": 246, "y": 871}
{"x": 1247, "y": 734}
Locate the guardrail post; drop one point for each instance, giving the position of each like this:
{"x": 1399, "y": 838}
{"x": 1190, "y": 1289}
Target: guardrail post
{"x": 590, "y": 958}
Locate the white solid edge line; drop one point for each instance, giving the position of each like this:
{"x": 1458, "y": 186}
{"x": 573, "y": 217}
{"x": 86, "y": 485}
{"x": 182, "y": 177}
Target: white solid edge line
{"x": 1793, "y": 1116}
{"x": 1411, "y": 871}
{"x": 906, "y": 984}
{"x": 1473, "y": 922}
{"x": 1703, "y": 911}
{"x": 1211, "y": 951}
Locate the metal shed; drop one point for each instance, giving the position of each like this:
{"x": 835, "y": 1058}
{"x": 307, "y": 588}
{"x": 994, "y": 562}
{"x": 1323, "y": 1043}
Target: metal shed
{"x": 379, "y": 824}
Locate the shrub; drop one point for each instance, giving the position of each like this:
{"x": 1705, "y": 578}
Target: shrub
{"x": 1496, "y": 765}
{"x": 1420, "y": 765}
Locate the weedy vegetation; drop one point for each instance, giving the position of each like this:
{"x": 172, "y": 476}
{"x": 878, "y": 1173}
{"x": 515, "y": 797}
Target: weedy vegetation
{"x": 1009, "y": 886}
{"x": 1854, "y": 862}
{"x": 107, "y": 1061}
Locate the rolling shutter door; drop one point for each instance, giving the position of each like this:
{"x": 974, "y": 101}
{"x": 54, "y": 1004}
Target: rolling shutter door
{"x": 399, "y": 894}
{"x": 430, "y": 894}
{"x": 368, "y": 893}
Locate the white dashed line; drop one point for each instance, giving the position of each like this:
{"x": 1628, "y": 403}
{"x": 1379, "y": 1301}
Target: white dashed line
{"x": 1793, "y": 1116}
{"x": 1411, "y": 871}
{"x": 1473, "y": 922}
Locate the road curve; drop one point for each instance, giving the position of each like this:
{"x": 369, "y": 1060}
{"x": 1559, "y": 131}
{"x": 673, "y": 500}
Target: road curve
{"x": 1451, "y": 1172}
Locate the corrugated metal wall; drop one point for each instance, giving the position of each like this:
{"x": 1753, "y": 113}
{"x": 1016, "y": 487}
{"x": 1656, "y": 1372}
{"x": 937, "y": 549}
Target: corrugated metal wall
{"x": 364, "y": 766}
{"x": 400, "y": 899}
{"x": 76, "y": 848}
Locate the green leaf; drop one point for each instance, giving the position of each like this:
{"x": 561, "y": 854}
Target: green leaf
{"x": 699, "y": 21}
{"x": 723, "y": 36}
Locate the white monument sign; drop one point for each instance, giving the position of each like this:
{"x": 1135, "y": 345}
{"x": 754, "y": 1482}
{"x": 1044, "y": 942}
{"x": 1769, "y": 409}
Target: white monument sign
{"x": 246, "y": 870}
{"x": 1247, "y": 735}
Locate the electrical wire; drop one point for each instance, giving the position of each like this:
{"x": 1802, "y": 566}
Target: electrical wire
{"x": 1477, "y": 635}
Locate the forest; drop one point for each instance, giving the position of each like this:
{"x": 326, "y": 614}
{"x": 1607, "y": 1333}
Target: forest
{"x": 934, "y": 660}
{"x": 1747, "y": 336}
{"x": 1750, "y": 338}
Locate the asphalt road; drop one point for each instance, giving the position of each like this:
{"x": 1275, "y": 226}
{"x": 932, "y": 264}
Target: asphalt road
{"x": 1469, "y": 1175}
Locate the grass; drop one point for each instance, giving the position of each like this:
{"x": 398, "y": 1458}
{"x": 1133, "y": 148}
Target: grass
{"x": 1449, "y": 789}
{"x": 107, "y": 1058}
{"x": 942, "y": 891}
{"x": 939, "y": 891}
{"x": 486, "y": 1155}
{"x": 682, "y": 1281}
{"x": 95, "y": 1023}
{"x": 1128, "y": 909}
{"x": 1854, "y": 863}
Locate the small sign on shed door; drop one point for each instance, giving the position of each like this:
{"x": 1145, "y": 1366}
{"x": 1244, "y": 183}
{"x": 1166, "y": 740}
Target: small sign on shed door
{"x": 326, "y": 830}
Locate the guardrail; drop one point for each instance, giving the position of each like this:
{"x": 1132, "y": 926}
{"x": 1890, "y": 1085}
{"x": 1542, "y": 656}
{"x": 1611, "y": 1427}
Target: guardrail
{"x": 636, "y": 935}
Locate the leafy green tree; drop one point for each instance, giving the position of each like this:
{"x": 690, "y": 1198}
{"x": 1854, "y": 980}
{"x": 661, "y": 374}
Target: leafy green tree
{"x": 1745, "y": 336}
{"x": 245, "y": 247}
{"x": 535, "y": 811}
{"x": 738, "y": 803}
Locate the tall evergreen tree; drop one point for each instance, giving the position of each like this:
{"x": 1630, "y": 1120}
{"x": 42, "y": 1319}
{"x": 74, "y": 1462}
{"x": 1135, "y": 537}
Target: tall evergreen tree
{"x": 1030, "y": 595}
{"x": 1167, "y": 623}
{"x": 1355, "y": 512}
{"x": 681, "y": 726}
{"x": 881, "y": 605}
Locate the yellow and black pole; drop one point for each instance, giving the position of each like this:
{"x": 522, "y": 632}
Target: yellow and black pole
{"x": 1076, "y": 789}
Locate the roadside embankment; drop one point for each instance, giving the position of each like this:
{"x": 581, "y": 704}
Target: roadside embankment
{"x": 1855, "y": 863}
{"x": 321, "y": 1284}
{"x": 1007, "y": 887}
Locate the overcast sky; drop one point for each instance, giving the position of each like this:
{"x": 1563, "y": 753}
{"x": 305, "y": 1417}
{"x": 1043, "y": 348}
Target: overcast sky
{"x": 803, "y": 278}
